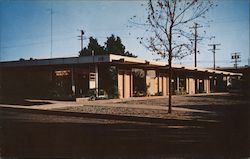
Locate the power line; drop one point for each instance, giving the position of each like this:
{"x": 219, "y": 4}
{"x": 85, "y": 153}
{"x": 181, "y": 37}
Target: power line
{"x": 213, "y": 50}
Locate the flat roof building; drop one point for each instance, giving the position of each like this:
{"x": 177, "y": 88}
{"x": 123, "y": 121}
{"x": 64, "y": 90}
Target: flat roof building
{"x": 106, "y": 75}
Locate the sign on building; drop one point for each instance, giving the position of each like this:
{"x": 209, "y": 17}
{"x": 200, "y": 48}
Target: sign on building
{"x": 92, "y": 81}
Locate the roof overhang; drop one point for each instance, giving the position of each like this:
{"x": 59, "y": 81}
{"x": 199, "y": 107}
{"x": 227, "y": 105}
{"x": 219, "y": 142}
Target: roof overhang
{"x": 113, "y": 59}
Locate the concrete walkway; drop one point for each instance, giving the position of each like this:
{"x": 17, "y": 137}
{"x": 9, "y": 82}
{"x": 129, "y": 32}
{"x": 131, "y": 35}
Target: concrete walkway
{"x": 52, "y": 105}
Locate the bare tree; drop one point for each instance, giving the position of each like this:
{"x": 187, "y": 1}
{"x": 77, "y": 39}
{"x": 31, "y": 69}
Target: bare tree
{"x": 167, "y": 29}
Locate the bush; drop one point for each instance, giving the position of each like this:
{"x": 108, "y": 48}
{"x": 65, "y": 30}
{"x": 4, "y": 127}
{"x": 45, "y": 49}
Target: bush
{"x": 92, "y": 94}
{"x": 113, "y": 92}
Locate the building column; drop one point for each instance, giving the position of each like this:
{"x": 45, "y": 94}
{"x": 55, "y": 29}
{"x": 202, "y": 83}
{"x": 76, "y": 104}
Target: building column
{"x": 208, "y": 86}
{"x": 131, "y": 85}
{"x": 120, "y": 83}
{"x": 187, "y": 85}
{"x": 192, "y": 85}
{"x": 127, "y": 84}
{"x": 96, "y": 80}
{"x": 158, "y": 82}
{"x": 177, "y": 84}
{"x": 198, "y": 86}
{"x": 164, "y": 85}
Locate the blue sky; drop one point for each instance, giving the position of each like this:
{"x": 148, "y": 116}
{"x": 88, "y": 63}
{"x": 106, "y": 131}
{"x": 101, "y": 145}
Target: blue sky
{"x": 25, "y": 29}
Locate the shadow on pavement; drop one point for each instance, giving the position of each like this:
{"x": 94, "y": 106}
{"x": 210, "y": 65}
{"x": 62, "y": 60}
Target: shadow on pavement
{"x": 144, "y": 138}
{"x": 226, "y": 96}
{"x": 20, "y": 111}
{"x": 20, "y": 102}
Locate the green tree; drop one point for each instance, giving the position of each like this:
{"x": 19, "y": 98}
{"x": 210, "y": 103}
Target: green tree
{"x": 92, "y": 46}
{"x": 114, "y": 46}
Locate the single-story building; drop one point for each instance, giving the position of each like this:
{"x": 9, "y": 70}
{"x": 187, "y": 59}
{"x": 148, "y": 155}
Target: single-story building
{"x": 111, "y": 75}
{"x": 242, "y": 86}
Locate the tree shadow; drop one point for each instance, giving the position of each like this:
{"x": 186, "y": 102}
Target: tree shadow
{"x": 136, "y": 137}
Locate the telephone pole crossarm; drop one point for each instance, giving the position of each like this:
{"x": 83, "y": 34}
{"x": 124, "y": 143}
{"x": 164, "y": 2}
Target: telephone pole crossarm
{"x": 236, "y": 58}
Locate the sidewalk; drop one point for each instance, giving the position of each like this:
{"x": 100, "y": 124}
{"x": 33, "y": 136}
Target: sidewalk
{"x": 53, "y": 105}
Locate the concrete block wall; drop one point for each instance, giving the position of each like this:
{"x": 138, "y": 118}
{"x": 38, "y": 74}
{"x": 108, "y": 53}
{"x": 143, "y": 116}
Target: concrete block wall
{"x": 163, "y": 84}
{"x": 190, "y": 85}
{"x": 156, "y": 83}
{"x": 207, "y": 85}
{"x": 125, "y": 83}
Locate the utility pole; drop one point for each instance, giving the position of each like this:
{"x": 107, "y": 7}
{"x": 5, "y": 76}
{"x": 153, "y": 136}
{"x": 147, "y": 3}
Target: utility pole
{"x": 213, "y": 50}
{"x": 236, "y": 58}
{"x": 81, "y": 38}
{"x": 50, "y": 10}
{"x": 195, "y": 27}
{"x": 51, "y": 31}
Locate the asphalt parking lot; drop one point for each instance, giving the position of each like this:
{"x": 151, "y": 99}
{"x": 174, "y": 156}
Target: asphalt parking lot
{"x": 206, "y": 126}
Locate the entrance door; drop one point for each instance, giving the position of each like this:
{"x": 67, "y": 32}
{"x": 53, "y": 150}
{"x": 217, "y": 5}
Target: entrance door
{"x": 82, "y": 84}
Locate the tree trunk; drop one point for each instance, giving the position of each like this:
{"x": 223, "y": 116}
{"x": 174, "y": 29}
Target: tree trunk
{"x": 170, "y": 88}
{"x": 170, "y": 67}
{"x": 170, "y": 77}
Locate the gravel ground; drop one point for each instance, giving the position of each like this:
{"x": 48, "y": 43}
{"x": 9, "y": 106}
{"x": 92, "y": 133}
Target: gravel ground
{"x": 125, "y": 111}
{"x": 201, "y": 99}
{"x": 183, "y": 106}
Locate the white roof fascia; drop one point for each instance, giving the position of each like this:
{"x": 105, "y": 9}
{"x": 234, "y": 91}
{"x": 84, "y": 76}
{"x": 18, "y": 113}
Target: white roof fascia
{"x": 206, "y": 70}
{"x": 106, "y": 58}
{"x": 135, "y": 60}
